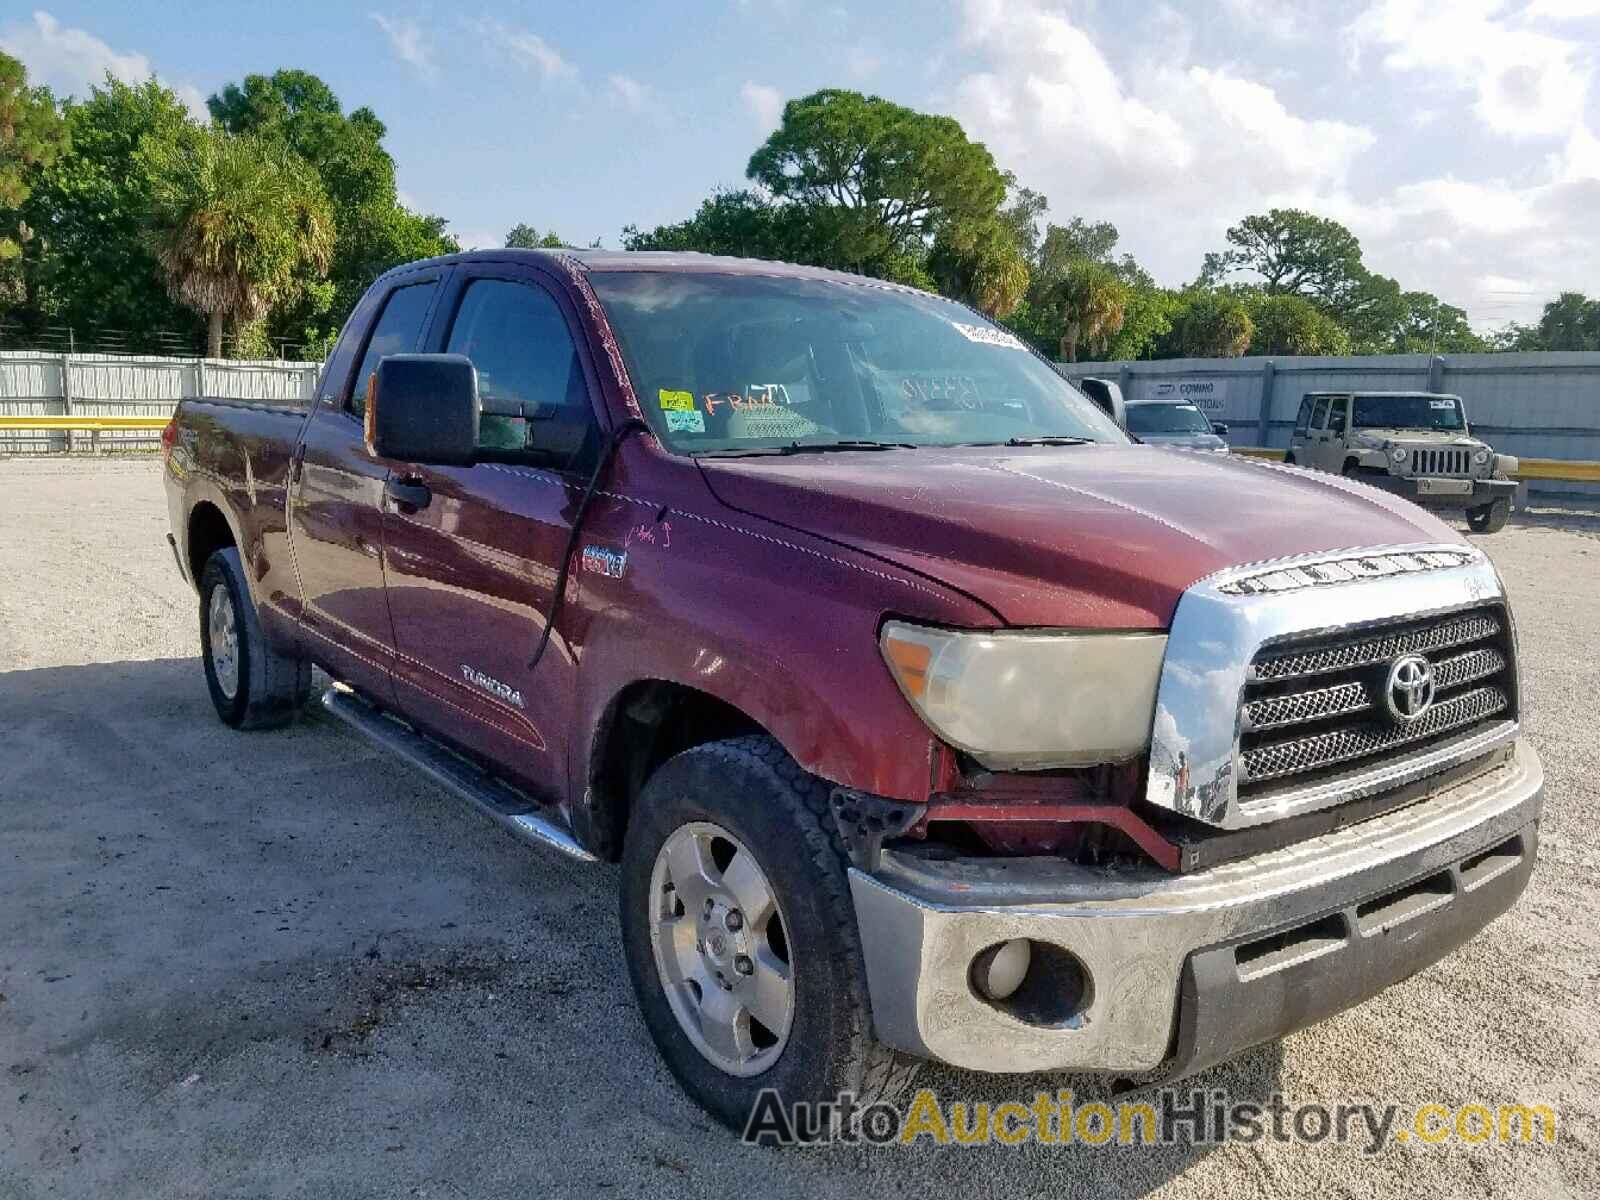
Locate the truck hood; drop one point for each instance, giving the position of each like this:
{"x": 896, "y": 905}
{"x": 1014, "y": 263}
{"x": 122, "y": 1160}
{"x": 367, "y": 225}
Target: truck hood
{"x": 1185, "y": 441}
{"x": 1091, "y": 537}
{"x": 1382, "y": 438}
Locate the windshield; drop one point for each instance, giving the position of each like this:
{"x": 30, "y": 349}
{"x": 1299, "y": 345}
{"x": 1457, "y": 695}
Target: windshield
{"x": 1409, "y": 412}
{"x": 1166, "y": 418}
{"x": 749, "y": 363}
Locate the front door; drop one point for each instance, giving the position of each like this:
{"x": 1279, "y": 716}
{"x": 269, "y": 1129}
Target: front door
{"x": 1317, "y": 441}
{"x": 335, "y": 508}
{"x": 470, "y": 574}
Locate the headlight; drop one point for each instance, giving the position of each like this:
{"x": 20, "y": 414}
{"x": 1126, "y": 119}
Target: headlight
{"x": 1481, "y": 457}
{"x": 1016, "y": 701}
{"x": 1399, "y": 453}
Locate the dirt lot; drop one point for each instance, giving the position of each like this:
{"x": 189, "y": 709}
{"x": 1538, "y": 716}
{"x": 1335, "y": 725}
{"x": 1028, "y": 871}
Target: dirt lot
{"x": 278, "y": 965}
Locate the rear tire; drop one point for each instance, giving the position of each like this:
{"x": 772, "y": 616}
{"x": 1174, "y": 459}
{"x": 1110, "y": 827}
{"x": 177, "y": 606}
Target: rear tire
{"x": 777, "y": 816}
{"x": 1489, "y": 518}
{"x": 252, "y": 685}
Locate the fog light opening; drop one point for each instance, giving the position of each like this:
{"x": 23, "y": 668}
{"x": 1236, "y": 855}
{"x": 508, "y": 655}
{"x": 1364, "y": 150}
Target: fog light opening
{"x": 1038, "y": 983}
{"x": 999, "y": 970}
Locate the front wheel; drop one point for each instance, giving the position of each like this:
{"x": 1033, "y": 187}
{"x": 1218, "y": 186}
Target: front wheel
{"x": 1489, "y": 518}
{"x": 252, "y": 685}
{"x": 740, "y": 935}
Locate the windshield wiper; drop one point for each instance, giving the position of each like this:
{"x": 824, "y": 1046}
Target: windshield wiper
{"x": 1049, "y": 439}
{"x": 846, "y": 444}
{"x": 803, "y": 448}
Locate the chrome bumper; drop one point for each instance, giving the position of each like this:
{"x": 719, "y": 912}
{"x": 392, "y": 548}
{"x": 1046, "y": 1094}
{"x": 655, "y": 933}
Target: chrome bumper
{"x": 1187, "y": 970}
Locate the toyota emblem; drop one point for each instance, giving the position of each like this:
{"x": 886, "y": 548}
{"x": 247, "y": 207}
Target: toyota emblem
{"x": 1409, "y": 689}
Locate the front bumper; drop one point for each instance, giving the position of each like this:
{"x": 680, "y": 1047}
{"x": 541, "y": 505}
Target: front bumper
{"x": 1187, "y": 970}
{"x": 1484, "y": 491}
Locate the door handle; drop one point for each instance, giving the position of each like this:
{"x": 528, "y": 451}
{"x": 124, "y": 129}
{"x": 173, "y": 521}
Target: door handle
{"x": 407, "y": 495}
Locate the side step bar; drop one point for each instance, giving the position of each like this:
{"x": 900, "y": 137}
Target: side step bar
{"x": 501, "y": 803}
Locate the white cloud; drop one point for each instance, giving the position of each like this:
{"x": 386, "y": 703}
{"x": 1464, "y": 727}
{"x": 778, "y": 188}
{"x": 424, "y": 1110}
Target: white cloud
{"x": 528, "y": 49}
{"x": 408, "y": 41}
{"x": 1527, "y": 83}
{"x": 1564, "y": 10}
{"x": 70, "y": 61}
{"x": 1176, "y": 149}
{"x": 1179, "y": 146}
{"x": 861, "y": 62}
{"x": 765, "y": 103}
{"x": 630, "y": 92}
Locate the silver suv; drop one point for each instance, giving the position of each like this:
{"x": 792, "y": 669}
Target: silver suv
{"x": 1413, "y": 443}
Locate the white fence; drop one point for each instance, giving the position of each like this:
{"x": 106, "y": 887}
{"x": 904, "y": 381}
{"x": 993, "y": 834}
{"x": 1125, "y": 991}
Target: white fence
{"x": 1536, "y": 405}
{"x": 111, "y": 385}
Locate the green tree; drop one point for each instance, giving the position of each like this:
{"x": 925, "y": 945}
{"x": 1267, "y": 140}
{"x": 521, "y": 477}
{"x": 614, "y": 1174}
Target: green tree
{"x": 1091, "y": 302}
{"x": 91, "y": 262}
{"x": 239, "y": 220}
{"x": 1292, "y": 251}
{"x": 526, "y": 237}
{"x": 1569, "y": 322}
{"x": 1290, "y": 324}
{"x": 1430, "y": 326}
{"x": 375, "y": 231}
{"x": 878, "y": 178}
{"x": 1208, "y": 324}
{"x": 32, "y": 136}
{"x": 1146, "y": 321}
{"x": 980, "y": 263}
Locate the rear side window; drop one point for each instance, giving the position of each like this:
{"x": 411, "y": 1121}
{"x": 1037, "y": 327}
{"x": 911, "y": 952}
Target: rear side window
{"x": 1319, "y": 415}
{"x": 396, "y": 332}
{"x": 527, "y": 365}
{"x": 1303, "y": 420}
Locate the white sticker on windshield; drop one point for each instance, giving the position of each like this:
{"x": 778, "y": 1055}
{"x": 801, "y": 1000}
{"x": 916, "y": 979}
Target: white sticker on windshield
{"x": 685, "y": 422}
{"x": 1441, "y": 403}
{"x": 987, "y": 335}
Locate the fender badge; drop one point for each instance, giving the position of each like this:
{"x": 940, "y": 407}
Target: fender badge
{"x": 604, "y": 561}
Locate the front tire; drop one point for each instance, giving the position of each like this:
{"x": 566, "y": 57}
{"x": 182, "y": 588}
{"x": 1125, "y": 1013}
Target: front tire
{"x": 252, "y": 685}
{"x": 1489, "y": 518}
{"x": 736, "y": 827}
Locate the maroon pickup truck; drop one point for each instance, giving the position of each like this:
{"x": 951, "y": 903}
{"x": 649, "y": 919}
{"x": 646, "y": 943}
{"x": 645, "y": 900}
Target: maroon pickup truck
{"x": 928, "y": 714}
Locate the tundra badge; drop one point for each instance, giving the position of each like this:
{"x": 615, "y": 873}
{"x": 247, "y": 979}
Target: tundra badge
{"x": 492, "y": 685}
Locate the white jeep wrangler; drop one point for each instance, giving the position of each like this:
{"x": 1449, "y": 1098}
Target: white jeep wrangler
{"x": 1413, "y": 443}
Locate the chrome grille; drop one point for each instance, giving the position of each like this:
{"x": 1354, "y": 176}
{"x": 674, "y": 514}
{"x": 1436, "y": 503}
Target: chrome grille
{"x": 1313, "y": 706}
{"x": 1443, "y": 461}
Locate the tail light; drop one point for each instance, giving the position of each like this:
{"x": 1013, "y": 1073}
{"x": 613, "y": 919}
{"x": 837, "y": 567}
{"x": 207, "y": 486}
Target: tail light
{"x": 169, "y": 438}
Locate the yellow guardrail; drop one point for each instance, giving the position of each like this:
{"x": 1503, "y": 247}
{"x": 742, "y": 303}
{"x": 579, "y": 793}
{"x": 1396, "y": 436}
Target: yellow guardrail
{"x": 1563, "y": 469}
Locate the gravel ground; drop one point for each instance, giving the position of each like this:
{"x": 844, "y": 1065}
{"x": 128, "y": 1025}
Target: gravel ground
{"x": 280, "y": 965}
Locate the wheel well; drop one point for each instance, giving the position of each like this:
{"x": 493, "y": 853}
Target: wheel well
{"x": 208, "y": 533}
{"x": 645, "y": 725}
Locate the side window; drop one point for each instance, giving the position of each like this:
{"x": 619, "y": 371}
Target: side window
{"x": 528, "y": 368}
{"x": 1302, "y": 420}
{"x": 1319, "y": 415}
{"x": 396, "y": 332}
{"x": 1338, "y": 412}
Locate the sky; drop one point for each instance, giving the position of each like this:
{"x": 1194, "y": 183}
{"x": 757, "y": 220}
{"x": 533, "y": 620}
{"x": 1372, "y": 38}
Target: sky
{"x": 1459, "y": 139}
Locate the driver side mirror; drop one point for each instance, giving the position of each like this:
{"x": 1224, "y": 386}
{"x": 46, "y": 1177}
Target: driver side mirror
{"x": 424, "y": 408}
{"x": 1218, "y": 428}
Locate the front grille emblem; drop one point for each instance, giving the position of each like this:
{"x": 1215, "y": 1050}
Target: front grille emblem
{"x": 1408, "y": 692}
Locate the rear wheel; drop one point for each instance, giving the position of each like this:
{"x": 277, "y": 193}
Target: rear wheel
{"x": 741, "y": 937}
{"x": 1489, "y": 518}
{"x": 252, "y": 685}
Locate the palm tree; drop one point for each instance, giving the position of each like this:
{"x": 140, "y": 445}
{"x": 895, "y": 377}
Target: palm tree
{"x": 241, "y": 223}
{"x": 1092, "y": 302}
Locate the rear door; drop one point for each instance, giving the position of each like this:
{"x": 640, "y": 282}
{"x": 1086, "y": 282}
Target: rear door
{"x": 470, "y": 575}
{"x": 336, "y": 493}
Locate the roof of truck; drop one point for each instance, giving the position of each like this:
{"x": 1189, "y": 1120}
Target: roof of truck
{"x": 656, "y": 260}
